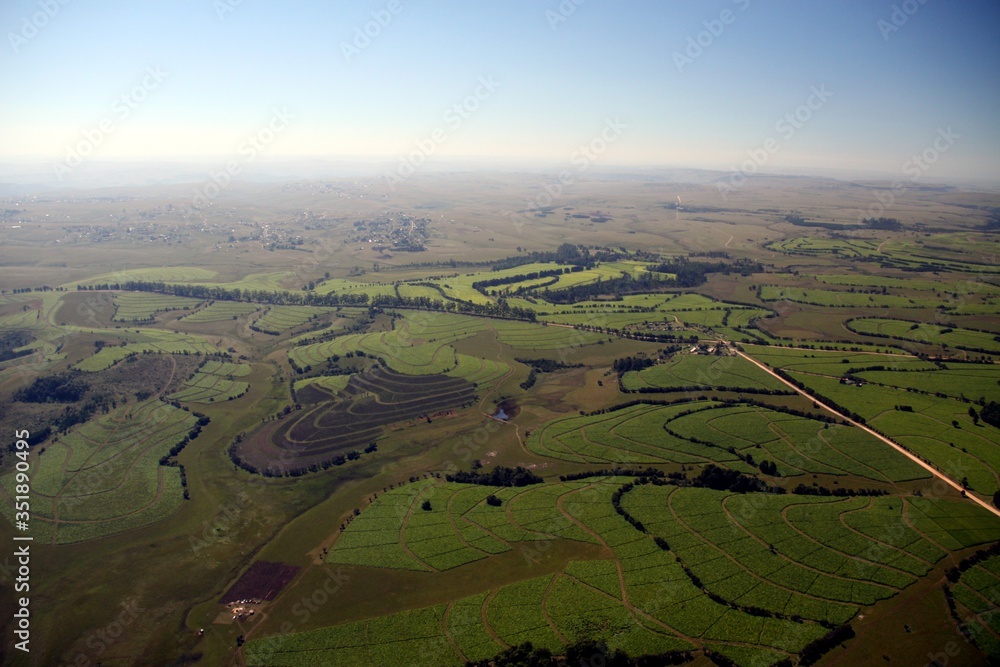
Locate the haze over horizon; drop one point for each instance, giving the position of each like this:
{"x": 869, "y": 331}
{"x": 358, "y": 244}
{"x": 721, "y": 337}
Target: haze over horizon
{"x": 734, "y": 85}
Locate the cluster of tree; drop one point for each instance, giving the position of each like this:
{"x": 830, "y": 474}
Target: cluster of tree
{"x": 887, "y": 224}
{"x": 803, "y": 490}
{"x": 499, "y": 476}
{"x": 61, "y": 388}
{"x": 585, "y": 652}
{"x": 72, "y": 416}
{"x": 799, "y": 221}
{"x": 646, "y": 473}
{"x": 567, "y": 253}
{"x": 195, "y": 431}
{"x": 990, "y": 413}
{"x": 724, "y": 479}
{"x": 693, "y": 273}
{"x": 12, "y": 340}
{"x": 626, "y": 364}
{"x": 816, "y": 649}
{"x": 955, "y": 573}
{"x": 483, "y": 285}
{"x": 546, "y": 365}
{"x": 499, "y": 309}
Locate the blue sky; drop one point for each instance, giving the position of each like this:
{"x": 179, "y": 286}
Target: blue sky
{"x": 225, "y": 67}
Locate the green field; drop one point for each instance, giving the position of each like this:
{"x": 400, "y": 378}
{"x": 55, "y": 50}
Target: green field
{"x": 703, "y": 372}
{"x": 977, "y": 598}
{"x": 738, "y": 436}
{"x": 214, "y": 381}
{"x": 221, "y": 311}
{"x": 278, "y": 319}
{"x": 929, "y": 334}
{"x": 104, "y": 477}
{"x": 142, "y": 306}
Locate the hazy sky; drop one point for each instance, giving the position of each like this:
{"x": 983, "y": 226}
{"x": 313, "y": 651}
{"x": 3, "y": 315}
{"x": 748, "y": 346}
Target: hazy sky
{"x": 668, "y": 82}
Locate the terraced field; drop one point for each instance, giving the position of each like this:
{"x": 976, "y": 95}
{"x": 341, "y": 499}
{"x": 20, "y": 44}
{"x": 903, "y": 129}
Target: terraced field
{"x": 221, "y": 311}
{"x": 104, "y": 476}
{"x": 737, "y": 436}
{"x": 214, "y": 381}
{"x": 147, "y": 341}
{"x": 278, "y": 319}
{"x": 142, "y": 306}
{"x": 326, "y": 432}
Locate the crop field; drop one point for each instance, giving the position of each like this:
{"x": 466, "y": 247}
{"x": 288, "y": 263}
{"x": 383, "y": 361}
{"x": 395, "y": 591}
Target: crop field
{"x": 214, "y": 381}
{"x": 525, "y": 336}
{"x": 417, "y": 345}
{"x": 970, "y": 287}
{"x": 958, "y": 380}
{"x": 586, "y": 597}
{"x": 941, "y": 252}
{"x": 839, "y": 299}
{"x": 104, "y": 477}
{"x": 331, "y": 383}
{"x": 929, "y": 334}
{"x": 977, "y": 598}
{"x": 221, "y": 311}
{"x": 277, "y": 319}
{"x": 459, "y": 528}
{"x": 688, "y": 371}
{"x": 961, "y": 449}
{"x": 142, "y": 306}
{"x": 173, "y": 274}
{"x": 765, "y": 551}
{"x": 937, "y": 428}
{"x": 147, "y": 341}
{"x": 330, "y": 430}
{"x": 739, "y": 437}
